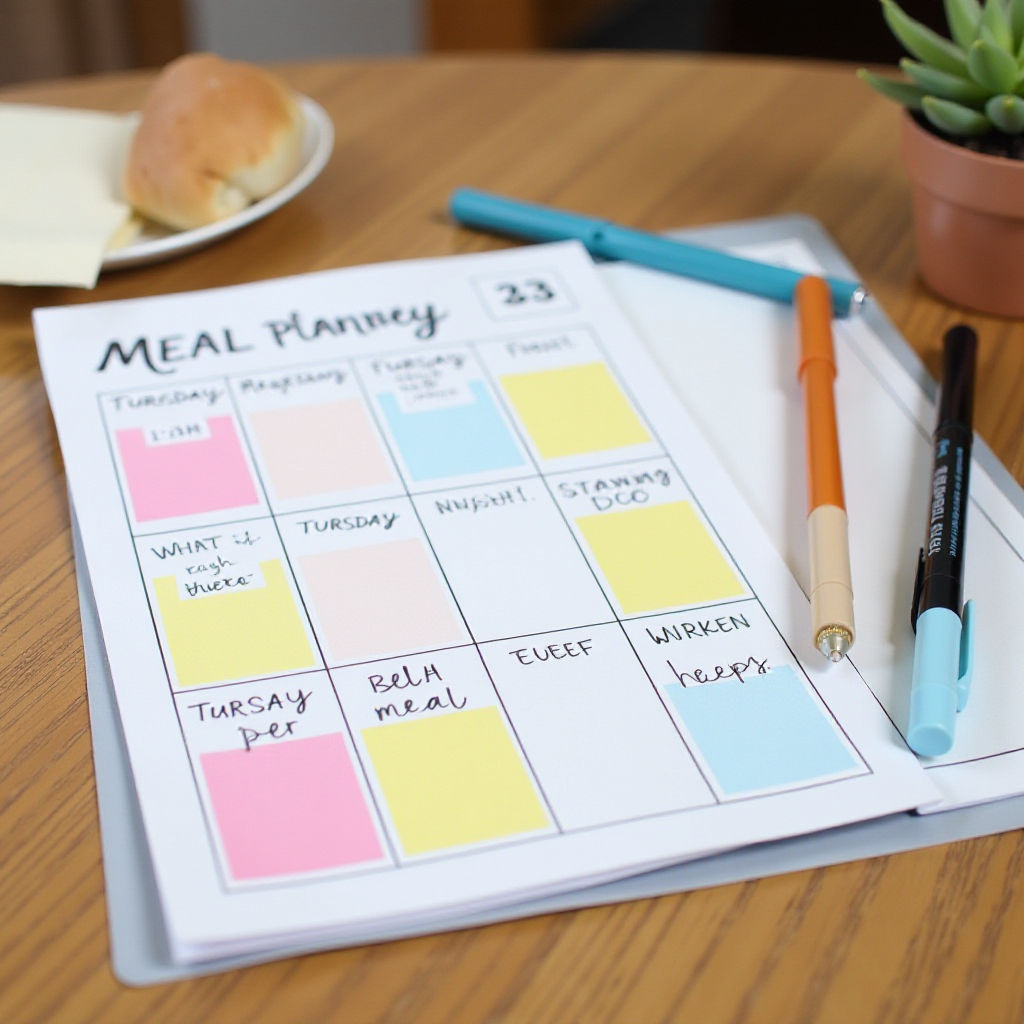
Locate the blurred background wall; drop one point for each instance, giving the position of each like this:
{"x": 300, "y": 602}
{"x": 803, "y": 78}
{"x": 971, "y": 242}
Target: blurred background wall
{"x": 269, "y": 30}
{"x": 55, "y": 38}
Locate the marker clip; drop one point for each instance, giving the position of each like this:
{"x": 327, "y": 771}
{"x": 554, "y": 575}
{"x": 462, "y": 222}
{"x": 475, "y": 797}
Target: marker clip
{"x": 966, "y": 669}
{"x": 918, "y": 581}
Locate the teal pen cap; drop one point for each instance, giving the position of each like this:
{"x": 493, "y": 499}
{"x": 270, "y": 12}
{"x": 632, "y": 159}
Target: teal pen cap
{"x": 606, "y": 240}
{"x": 531, "y": 221}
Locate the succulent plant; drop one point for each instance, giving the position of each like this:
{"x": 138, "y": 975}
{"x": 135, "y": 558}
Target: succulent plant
{"x": 967, "y": 85}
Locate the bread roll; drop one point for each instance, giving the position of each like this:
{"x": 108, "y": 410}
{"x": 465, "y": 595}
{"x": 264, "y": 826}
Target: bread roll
{"x": 214, "y": 136}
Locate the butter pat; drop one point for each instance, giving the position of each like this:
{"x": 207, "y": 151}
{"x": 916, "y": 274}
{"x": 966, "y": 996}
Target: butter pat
{"x": 60, "y": 193}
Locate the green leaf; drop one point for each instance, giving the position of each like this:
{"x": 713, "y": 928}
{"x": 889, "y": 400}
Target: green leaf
{"x": 906, "y": 93}
{"x": 963, "y": 17}
{"x": 922, "y": 43}
{"x": 953, "y": 118}
{"x": 1015, "y": 14}
{"x": 945, "y": 85}
{"x": 991, "y": 66}
{"x": 995, "y": 23}
{"x": 1006, "y": 113}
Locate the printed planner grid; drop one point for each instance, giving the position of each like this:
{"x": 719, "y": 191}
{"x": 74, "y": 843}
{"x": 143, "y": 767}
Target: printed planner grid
{"x": 314, "y": 598}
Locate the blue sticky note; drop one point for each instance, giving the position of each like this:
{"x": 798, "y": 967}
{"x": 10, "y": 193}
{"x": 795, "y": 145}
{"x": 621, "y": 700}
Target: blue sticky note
{"x": 452, "y": 441}
{"x": 763, "y": 732}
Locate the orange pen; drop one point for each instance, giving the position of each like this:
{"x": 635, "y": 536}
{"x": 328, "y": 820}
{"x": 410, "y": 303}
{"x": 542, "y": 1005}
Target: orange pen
{"x": 827, "y": 528}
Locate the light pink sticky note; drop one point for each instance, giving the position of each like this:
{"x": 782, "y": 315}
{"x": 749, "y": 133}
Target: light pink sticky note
{"x": 320, "y": 449}
{"x": 379, "y": 599}
{"x": 187, "y": 477}
{"x": 288, "y": 807}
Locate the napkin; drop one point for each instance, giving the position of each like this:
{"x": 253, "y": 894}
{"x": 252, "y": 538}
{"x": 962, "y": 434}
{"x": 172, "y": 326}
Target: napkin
{"x": 60, "y": 201}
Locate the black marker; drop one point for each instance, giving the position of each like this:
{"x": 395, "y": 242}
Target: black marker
{"x": 943, "y": 650}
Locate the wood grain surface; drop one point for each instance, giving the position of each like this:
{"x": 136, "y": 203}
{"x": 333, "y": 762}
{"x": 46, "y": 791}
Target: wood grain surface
{"x": 653, "y": 141}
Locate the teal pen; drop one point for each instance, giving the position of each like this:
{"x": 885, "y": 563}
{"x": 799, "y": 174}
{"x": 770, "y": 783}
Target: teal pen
{"x": 602, "y": 238}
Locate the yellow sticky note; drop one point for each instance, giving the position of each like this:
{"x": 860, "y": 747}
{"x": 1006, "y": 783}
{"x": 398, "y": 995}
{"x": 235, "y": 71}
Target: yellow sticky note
{"x": 453, "y": 779}
{"x": 661, "y": 556}
{"x": 236, "y": 634}
{"x": 574, "y": 409}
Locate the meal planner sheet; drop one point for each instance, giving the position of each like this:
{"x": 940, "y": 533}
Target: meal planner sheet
{"x": 422, "y": 594}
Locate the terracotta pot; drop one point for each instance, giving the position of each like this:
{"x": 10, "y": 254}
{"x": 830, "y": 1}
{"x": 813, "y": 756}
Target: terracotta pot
{"x": 968, "y": 222}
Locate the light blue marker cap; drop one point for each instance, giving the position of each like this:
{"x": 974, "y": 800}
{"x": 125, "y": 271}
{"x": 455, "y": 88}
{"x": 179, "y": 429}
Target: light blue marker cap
{"x": 934, "y": 691}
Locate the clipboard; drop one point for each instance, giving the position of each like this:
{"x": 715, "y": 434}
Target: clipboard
{"x": 139, "y": 951}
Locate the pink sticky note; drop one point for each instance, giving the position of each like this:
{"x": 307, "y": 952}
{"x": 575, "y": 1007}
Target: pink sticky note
{"x": 186, "y": 477}
{"x": 288, "y": 807}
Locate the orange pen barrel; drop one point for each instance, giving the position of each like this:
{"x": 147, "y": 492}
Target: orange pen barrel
{"x": 817, "y": 373}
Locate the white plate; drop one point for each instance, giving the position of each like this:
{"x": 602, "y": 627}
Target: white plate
{"x": 156, "y": 243}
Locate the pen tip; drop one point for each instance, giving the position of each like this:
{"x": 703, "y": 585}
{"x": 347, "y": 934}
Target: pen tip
{"x": 858, "y": 300}
{"x": 834, "y": 642}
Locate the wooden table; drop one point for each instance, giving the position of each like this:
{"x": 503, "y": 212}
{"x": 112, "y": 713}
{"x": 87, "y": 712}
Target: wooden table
{"x": 653, "y": 141}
